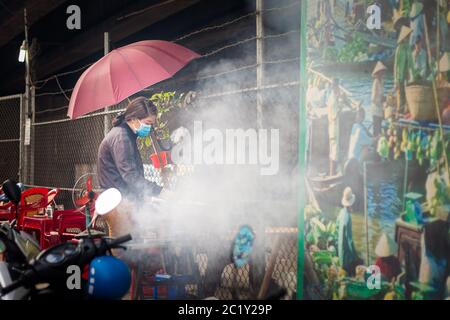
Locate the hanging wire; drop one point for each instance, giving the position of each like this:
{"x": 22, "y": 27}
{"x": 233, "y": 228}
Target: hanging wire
{"x": 62, "y": 90}
{"x": 251, "y": 14}
{"x": 200, "y": 78}
{"x": 43, "y": 82}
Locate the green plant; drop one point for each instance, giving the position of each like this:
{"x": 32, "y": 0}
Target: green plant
{"x": 166, "y": 103}
{"x": 442, "y": 195}
{"x": 322, "y": 235}
{"x": 353, "y": 50}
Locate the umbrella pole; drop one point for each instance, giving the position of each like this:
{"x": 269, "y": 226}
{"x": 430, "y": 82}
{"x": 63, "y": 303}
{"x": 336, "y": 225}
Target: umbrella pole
{"x": 438, "y": 44}
{"x": 405, "y": 182}
{"x": 106, "y": 122}
{"x": 366, "y": 213}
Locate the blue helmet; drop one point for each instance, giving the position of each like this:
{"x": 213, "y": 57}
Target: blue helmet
{"x": 109, "y": 278}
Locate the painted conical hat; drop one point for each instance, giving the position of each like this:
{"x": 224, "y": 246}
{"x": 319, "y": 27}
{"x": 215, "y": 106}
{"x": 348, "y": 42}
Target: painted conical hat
{"x": 378, "y": 67}
{"x": 404, "y": 32}
{"x": 386, "y": 246}
{"x": 398, "y": 18}
{"x": 444, "y": 63}
{"x": 416, "y": 9}
{"x": 348, "y": 198}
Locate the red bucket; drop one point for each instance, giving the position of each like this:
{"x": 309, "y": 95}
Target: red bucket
{"x": 160, "y": 160}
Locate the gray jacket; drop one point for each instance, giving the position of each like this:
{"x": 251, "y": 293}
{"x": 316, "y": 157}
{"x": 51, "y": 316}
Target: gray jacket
{"x": 119, "y": 164}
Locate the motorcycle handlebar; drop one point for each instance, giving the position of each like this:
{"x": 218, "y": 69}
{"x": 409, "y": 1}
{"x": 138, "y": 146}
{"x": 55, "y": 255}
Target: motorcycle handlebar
{"x": 29, "y": 275}
{"x": 114, "y": 243}
{"x": 13, "y": 286}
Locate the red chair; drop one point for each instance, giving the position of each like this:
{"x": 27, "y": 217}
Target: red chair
{"x": 7, "y": 211}
{"x": 39, "y": 227}
{"x": 33, "y": 203}
{"x": 51, "y": 195}
{"x": 68, "y": 223}
{"x": 32, "y": 218}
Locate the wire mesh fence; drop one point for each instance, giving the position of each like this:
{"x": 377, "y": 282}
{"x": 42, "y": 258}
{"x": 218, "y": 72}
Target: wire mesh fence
{"x": 204, "y": 271}
{"x": 10, "y": 134}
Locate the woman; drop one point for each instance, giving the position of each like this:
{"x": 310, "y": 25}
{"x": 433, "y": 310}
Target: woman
{"x": 119, "y": 164}
{"x": 386, "y": 260}
{"x": 334, "y": 111}
{"x": 402, "y": 65}
{"x": 419, "y": 62}
{"x": 360, "y": 139}
{"x": 348, "y": 257}
{"x": 433, "y": 270}
{"x": 377, "y": 97}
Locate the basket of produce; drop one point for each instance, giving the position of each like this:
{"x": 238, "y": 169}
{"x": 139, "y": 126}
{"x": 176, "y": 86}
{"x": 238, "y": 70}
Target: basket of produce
{"x": 420, "y": 102}
{"x": 443, "y": 95}
{"x": 359, "y": 290}
{"x": 323, "y": 257}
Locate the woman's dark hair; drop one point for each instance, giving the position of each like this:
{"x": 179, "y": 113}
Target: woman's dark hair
{"x": 138, "y": 108}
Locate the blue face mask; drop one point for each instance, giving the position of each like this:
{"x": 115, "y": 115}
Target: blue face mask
{"x": 143, "y": 130}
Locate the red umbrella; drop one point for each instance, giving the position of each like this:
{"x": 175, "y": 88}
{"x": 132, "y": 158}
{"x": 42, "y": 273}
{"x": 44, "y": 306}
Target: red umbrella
{"x": 125, "y": 71}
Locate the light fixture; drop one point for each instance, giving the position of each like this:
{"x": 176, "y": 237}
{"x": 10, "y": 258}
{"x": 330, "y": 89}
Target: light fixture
{"x": 23, "y": 51}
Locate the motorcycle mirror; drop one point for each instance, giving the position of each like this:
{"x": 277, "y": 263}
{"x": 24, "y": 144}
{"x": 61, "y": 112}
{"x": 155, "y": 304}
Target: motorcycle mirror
{"x": 107, "y": 201}
{"x": 243, "y": 246}
{"x": 12, "y": 191}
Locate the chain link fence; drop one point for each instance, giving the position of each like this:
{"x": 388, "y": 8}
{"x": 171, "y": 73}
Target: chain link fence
{"x": 206, "y": 271}
{"x": 10, "y": 137}
{"x": 65, "y": 149}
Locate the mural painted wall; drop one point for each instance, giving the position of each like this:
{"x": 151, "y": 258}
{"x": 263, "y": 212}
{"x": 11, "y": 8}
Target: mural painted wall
{"x": 378, "y": 106}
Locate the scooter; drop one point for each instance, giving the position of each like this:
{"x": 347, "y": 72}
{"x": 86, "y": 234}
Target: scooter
{"x": 49, "y": 275}
{"x": 17, "y": 248}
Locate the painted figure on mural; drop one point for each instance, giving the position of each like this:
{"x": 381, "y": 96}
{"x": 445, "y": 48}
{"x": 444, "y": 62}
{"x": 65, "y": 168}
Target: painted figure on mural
{"x": 418, "y": 72}
{"x": 334, "y": 110}
{"x": 416, "y": 22}
{"x": 360, "y": 138}
{"x": 386, "y": 259}
{"x": 402, "y": 64}
{"x": 378, "y": 98}
{"x": 433, "y": 265}
{"x": 348, "y": 257}
{"x": 443, "y": 25}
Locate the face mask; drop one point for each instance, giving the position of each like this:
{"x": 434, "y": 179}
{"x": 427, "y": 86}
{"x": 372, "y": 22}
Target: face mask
{"x": 143, "y": 130}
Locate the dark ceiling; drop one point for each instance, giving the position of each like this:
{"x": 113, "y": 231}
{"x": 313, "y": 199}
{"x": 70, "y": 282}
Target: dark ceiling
{"x": 60, "y": 49}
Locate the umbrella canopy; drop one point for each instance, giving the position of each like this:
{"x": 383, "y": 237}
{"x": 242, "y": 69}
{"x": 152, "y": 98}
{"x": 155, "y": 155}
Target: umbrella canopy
{"x": 125, "y": 71}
